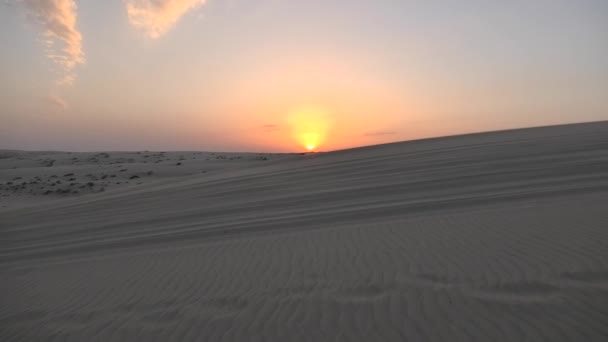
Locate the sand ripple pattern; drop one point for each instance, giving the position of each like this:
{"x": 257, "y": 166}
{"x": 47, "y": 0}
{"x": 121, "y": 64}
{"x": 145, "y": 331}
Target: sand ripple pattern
{"x": 488, "y": 237}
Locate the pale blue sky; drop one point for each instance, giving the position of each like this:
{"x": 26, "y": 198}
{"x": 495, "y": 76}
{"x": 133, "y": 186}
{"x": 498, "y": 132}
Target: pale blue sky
{"x": 212, "y": 79}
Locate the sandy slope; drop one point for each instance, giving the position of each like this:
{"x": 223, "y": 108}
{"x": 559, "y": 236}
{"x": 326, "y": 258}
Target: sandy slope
{"x": 489, "y": 237}
{"x": 31, "y": 178}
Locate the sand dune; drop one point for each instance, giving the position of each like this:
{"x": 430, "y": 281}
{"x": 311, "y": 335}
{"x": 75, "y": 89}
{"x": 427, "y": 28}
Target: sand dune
{"x": 497, "y": 236}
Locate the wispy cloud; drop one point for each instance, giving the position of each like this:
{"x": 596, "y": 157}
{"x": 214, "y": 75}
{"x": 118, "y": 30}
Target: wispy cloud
{"x": 374, "y": 134}
{"x": 57, "y": 101}
{"x": 156, "y": 17}
{"x": 62, "y": 39}
{"x": 270, "y": 128}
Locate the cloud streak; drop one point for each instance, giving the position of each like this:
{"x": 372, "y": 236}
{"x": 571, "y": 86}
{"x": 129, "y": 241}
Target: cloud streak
{"x": 62, "y": 39}
{"x": 57, "y": 101}
{"x": 155, "y": 17}
{"x": 270, "y": 128}
{"x": 375, "y": 134}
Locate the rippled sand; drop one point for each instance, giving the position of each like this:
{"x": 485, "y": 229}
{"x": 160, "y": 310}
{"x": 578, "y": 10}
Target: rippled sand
{"x": 497, "y": 236}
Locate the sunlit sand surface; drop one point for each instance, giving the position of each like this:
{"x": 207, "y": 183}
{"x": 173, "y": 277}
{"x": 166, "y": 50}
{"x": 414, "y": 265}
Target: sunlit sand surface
{"x": 487, "y": 237}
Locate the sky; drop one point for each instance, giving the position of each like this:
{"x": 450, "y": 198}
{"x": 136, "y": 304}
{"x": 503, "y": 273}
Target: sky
{"x": 287, "y": 75}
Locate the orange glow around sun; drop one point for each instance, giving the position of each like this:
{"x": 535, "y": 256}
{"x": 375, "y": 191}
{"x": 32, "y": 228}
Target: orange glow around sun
{"x": 310, "y": 127}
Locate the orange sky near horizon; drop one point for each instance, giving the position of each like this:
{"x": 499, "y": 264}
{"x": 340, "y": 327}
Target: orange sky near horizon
{"x": 292, "y": 100}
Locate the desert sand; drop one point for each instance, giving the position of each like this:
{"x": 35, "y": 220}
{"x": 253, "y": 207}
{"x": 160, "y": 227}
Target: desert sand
{"x": 499, "y": 236}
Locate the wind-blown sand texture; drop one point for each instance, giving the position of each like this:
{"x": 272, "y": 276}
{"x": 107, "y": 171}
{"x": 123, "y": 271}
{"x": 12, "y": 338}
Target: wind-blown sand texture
{"x": 497, "y": 236}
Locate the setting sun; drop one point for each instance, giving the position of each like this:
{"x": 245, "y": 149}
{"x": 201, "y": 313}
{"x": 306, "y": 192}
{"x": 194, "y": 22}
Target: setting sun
{"x": 310, "y": 126}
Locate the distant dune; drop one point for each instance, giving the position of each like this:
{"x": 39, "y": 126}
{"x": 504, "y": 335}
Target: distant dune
{"x": 499, "y": 236}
